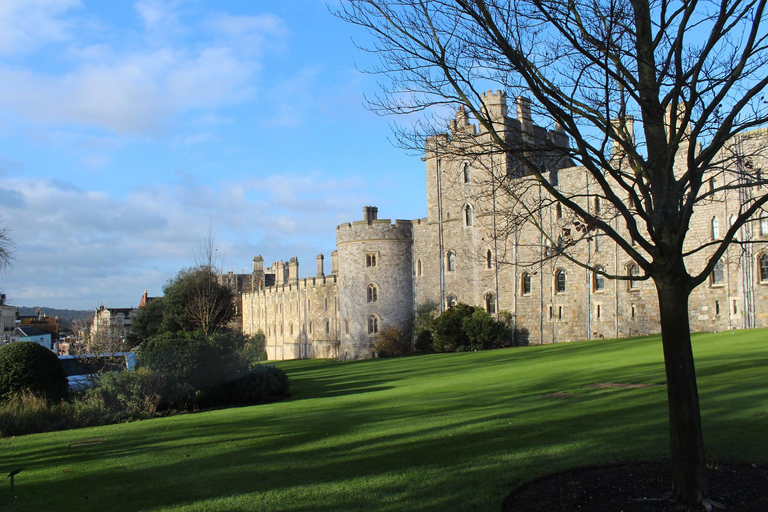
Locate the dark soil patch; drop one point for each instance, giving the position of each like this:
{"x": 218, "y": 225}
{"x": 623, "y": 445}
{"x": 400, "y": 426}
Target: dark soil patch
{"x": 641, "y": 487}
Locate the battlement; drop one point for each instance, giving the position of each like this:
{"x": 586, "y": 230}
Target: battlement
{"x": 306, "y": 283}
{"x": 375, "y": 230}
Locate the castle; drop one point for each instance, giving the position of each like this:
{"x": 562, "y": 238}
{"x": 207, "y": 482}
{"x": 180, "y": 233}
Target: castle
{"x": 475, "y": 247}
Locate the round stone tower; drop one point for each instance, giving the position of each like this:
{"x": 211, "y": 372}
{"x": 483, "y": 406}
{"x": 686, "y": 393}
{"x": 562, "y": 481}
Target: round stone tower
{"x": 375, "y": 281}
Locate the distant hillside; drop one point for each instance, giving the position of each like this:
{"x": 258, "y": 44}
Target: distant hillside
{"x": 69, "y": 314}
{"x": 66, "y": 316}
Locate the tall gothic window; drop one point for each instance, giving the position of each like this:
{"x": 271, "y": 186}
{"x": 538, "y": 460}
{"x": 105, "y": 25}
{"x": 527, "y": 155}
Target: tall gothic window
{"x": 633, "y": 271}
{"x": 525, "y": 287}
{"x": 560, "y": 281}
{"x": 718, "y": 273}
{"x": 466, "y": 172}
{"x": 373, "y": 293}
{"x": 373, "y": 324}
{"x": 764, "y": 268}
{"x": 451, "y": 261}
{"x": 490, "y": 303}
{"x": 598, "y": 280}
{"x": 489, "y": 259}
{"x": 715, "y": 228}
{"x": 467, "y": 215}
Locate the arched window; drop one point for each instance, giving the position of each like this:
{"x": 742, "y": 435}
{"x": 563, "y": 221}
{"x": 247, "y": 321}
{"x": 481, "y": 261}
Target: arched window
{"x": 310, "y": 327}
{"x": 419, "y": 269}
{"x": 718, "y": 273}
{"x": 525, "y": 284}
{"x": 467, "y": 215}
{"x": 764, "y": 268}
{"x": 560, "y": 281}
{"x": 764, "y": 226}
{"x": 450, "y": 258}
{"x": 559, "y": 211}
{"x": 598, "y": 242}
{"x": 370, "y": 259}
{"x": 597, "y": 204}
{"x": 547, "y": 247}
{"x": 373, "y": 293}
{"x": 465, "y": 172}
{"x": 327, "y": 327}
{"x": 290, "y": 329}
{"x": 346, "y": 326}
{"x": 713, "y": 185}
{"x": 489, "y": 259}
{"x": 373, "y": 324}
{"x": 325, "y": 306}
{"x": 598, "y": 280}
{"x": 633, "y": 271}
{"x": 490, "y": 303}
{"x": 715, "y": 228}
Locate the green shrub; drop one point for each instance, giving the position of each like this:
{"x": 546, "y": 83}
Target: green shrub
{"x": 255, "y": 349}
{"x": 192, "y": 363}
{"x": 391, "y": 342}
{"x": 258, "y": 385}
{"x": 484, "y": 332}
{"x": 424, "y": 342}
{"x": 28, "y": 366}
{"x": 130, "y": 395}
{"x": 448, "y": 334}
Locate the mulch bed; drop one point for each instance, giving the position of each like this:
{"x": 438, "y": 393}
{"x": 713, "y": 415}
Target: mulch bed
{"x": 641, "y": 487}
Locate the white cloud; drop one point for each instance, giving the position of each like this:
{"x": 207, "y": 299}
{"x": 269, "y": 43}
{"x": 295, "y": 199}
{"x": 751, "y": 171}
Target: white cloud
{"x": 251, "y": 34}
{"x": 134, "y": 95}
{"x": 89, "y": 247}
{"x": 28, "y": 24}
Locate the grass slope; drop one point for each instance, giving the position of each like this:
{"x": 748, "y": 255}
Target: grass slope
{"x": 440, "y": 432}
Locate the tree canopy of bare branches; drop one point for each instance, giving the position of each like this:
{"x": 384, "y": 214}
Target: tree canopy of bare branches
{"x": 662, "y": 103}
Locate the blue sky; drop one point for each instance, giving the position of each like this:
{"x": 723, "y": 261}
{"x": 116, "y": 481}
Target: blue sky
{"x": 128, "y": 128}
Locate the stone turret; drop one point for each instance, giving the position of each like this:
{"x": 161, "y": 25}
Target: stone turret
{"x": 320, "y": 271}
{"x": 293, "y": 270}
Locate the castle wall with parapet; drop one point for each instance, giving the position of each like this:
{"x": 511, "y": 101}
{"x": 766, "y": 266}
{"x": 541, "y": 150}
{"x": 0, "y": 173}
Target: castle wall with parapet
{"x": 299, "y": 319}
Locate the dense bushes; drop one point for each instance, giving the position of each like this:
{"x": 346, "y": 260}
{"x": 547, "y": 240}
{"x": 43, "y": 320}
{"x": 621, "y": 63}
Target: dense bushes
{"x": 211, "y": 371}
{"x": 461, "y": 327}
{"x": 27, "y": 366}
{"x": 257, "y": 385}
{"x": 392, "y": 342}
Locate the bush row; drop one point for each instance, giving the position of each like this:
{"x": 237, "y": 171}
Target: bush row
{"x": 177, "y": 371}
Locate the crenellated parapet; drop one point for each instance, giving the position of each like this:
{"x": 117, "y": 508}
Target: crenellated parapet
{"x": 377, "y": 229}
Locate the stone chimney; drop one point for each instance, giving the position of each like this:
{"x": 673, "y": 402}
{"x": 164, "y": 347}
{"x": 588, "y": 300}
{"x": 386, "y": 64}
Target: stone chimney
{"x": 320, "y": 271}
{"x": 335, "y": 262}
{"x": 293, "y": 270}
{"x": 370, "y": 213}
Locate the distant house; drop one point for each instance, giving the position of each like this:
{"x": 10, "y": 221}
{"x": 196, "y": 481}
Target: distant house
{"x": 8, "y": 316}
{"x": 35, "y": 335}
{"x": 43, "y": 322}
{"x": 112, "y": 325}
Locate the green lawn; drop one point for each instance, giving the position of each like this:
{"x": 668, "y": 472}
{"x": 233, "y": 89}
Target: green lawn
{"x": 440, "y": 432}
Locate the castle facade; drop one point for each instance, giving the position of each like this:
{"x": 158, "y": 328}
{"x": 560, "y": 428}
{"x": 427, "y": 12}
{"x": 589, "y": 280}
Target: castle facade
{"x": 480, "y": 246}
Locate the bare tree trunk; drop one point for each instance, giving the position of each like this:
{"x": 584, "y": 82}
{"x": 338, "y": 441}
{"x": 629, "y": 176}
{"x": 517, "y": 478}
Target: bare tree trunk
{"x": 686, "y": 439}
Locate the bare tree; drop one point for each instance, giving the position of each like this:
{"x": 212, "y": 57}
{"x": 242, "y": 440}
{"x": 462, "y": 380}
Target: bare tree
{"x": 6, "y": 248}
{"x": 656, "y": 102}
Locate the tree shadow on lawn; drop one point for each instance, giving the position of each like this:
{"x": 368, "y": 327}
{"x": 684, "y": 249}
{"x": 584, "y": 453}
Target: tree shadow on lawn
{"x": 378, "y": 470}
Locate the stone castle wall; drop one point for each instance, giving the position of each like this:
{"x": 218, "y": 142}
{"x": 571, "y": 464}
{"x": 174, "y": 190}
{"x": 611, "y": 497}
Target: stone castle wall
{"x": 475, "y": 247}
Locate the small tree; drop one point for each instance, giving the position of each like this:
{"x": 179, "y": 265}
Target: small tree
{"x": 196, "y": 300}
